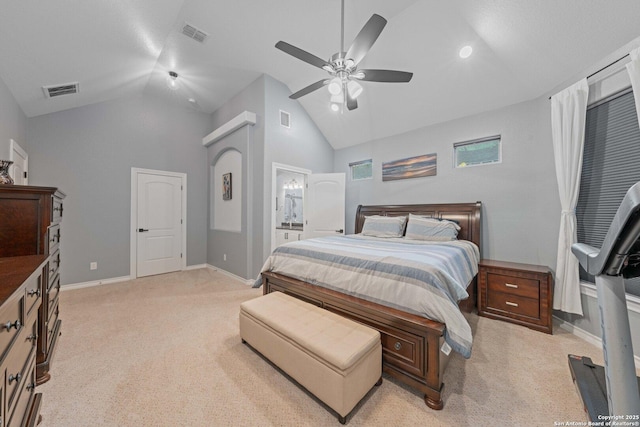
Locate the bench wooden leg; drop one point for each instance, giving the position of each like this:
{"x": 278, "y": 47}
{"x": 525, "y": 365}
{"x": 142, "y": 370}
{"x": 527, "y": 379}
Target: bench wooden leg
{"x": 379, "y": 383}
{"x": 343, "y": 420}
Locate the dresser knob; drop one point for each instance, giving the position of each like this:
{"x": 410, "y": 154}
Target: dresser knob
{"x": 10, "y": 325}
{"x": 15, "y": 377}
{"x": 397, "y": 346}
{"x": 33, "y": 292}
{"x": 32, "y": 337}
{"x": 31, "y": 386}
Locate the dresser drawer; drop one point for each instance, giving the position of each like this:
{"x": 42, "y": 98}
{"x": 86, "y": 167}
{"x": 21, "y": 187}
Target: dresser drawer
{"x": 32, "y": 296}
{"x": 520, "y": 286}
{"x": 56, "y": 211}
{"x": 54, "y": 237}
{"x": 18, "y": 364}
{"x": 11, "y": 320}
{"x": 24, "y": 395}
{"x": 52, "y": 294}
{"x": 514, "y": 304}
{"x": 54, "y": 265}
{"x": 51, "y": 323}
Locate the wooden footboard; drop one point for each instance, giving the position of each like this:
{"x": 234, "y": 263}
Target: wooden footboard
{"x": 410, "y": 344}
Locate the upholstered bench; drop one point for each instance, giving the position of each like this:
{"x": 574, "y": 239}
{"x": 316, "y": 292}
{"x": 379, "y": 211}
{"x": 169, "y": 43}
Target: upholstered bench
{"x": 334, "y": 358}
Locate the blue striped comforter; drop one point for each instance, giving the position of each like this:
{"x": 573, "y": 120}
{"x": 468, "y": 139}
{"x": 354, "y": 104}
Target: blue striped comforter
{"x": 424, "y": 278}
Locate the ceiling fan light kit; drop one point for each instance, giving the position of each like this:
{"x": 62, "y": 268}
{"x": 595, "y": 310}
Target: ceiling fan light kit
{"x": 342, "y": 66}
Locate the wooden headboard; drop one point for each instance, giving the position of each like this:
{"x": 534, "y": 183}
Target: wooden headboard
{"x": 467, "y": 216}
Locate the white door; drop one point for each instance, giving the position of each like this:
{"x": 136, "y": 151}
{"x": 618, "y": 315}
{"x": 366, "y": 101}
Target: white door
{"x": 18, "y": 170}
{"x": 324, "y": 205}
{"x": 159, "y": 224}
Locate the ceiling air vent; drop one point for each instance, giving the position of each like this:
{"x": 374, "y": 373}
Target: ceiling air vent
{"x": 59, "y": 90}
{"x": 194, "y": 33}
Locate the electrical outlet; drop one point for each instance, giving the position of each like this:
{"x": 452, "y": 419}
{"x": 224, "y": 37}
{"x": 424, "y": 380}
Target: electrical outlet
{"x": 224, "y": 257}
{"x": 93, "y": 266}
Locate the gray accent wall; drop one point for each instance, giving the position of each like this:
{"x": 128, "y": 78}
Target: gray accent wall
{"x": 521, "y": 206}
{"x": 13, "y": 122}
{"x": 302, "y": 145}
{"x": 241, "y": 248}
{"x": 88, "y": 153}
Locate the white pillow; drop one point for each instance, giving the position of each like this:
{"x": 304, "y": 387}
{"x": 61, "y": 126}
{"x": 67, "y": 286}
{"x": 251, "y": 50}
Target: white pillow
{"x": 383, "y": 226}
{"x": 424, "y": 228}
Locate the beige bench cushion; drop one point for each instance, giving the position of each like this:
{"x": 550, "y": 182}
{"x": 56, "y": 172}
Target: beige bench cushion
{"x": 337, "y": 341}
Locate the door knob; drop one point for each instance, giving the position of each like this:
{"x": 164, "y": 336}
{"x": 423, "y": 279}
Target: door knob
{"x": 340, "y": 231}
{"x": 142, "y": 230}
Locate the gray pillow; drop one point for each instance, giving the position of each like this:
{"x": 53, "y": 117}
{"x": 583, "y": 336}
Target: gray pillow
{"x": 383, "y": 226}
{"x": 424, "y": 228}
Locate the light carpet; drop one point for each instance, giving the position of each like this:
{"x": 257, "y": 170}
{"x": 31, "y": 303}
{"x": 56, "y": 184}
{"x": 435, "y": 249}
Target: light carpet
{"x": 165, "y": 351}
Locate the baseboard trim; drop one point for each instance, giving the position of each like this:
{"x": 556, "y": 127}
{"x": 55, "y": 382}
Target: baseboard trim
{"x": 195, "y": 267}
{"x": 94, "y": 283}
{"x": 247, "y": 282}
{"x": 587, "y": 336}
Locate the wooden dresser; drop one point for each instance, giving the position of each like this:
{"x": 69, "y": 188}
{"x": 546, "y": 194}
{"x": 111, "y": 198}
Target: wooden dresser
{"x": 516, "y": 293}
{"x": 30, "y": 220}
{"x": 21, "y": 281}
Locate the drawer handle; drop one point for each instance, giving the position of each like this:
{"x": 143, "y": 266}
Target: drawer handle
{"x": 510, "y": 285}
{"x": 31, "y": 386}
{"x": 33, "y": 292}
{"x": 397, "y": 346}
{"x": 10, "y": 325}
{"x": 512, "y": 304}
{"x": 32, "y": 337}
{"x": 17, "y": 377}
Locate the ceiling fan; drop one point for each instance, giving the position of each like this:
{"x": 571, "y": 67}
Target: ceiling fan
{"x": 343, "y": 66}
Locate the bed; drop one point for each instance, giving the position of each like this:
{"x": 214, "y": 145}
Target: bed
{"x": 415, "y": 351}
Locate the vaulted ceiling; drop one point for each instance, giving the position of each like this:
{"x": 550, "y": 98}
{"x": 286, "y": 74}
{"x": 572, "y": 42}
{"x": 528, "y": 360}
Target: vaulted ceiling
{"x": 521, "y": 50}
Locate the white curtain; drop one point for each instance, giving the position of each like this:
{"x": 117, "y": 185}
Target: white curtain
{"x": 633, "y": 68}
{"x": 568, "y": 116}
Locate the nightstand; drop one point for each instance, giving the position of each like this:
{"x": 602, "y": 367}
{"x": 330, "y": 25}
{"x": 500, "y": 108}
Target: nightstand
{"x": 516, "y": 293}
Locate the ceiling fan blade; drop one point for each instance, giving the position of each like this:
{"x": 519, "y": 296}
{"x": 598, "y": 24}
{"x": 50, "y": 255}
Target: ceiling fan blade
{"x": 301, "y": 54}
{"x": 387, "y": 76}
{"x": 352, "y": 103}
{"x": 314, "y": 86}
{"x": 366, "y": 38}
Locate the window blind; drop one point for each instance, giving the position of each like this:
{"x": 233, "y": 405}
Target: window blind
{"x": 610, "y": 166}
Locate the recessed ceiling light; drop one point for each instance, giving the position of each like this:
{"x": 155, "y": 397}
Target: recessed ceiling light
{"x": 192, "y": 100}
{"x": 465, "y": 52}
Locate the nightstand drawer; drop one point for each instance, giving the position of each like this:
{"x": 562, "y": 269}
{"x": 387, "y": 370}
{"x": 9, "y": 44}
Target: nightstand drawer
{"x": 514, "y": 304}
{"x": 528, "y": 288}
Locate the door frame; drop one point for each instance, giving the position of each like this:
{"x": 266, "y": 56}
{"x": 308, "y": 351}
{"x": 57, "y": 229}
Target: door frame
{"x": 15, "y": 147}
{"x": 133, "y": 254}
{"x": 274, "y": 191}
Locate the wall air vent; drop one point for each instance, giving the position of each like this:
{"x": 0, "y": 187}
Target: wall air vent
{"x": 194, "y": 33}
{"x": 285, "y": 119}
{"x": 59, "y": 90}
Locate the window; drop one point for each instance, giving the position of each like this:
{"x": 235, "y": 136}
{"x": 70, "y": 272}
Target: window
{"x": 609, "y": 167}
{"x": 482, "y": 151}
{"x": 361, "y": 170}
